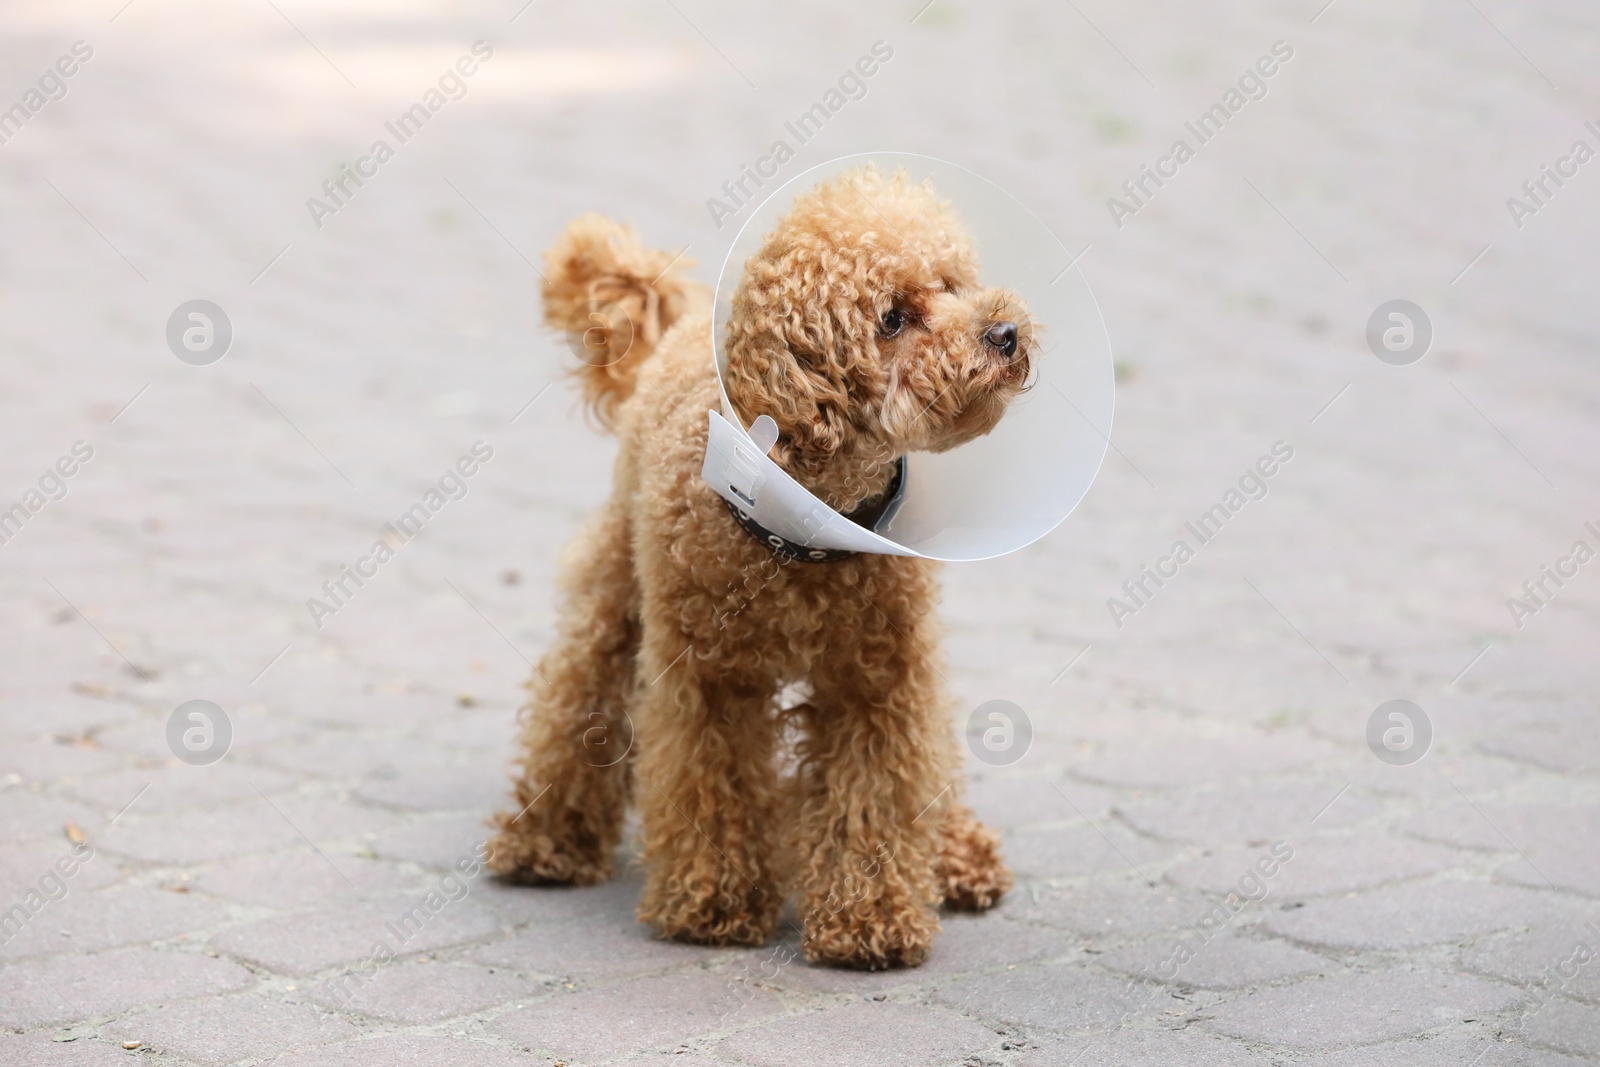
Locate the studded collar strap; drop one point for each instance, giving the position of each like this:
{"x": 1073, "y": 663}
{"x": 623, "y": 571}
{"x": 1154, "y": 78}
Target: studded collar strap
{"x": 869, "y": 518}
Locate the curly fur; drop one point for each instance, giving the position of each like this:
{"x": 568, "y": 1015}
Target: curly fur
{"x": 614, "y": 299}
{"x": 679, "y": 630}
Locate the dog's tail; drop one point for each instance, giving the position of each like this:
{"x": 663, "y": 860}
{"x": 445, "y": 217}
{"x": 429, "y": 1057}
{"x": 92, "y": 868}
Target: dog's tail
{"x": 614, "y": 299}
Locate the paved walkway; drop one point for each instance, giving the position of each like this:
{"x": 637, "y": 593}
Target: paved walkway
{"x": 1214, "y": 866}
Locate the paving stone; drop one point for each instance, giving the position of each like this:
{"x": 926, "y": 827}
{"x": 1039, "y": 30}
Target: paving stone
{"x": 1140, "y": 1048}
{"x": 22, "y": 866}
{"x": 1108, "y": 912}
{"x": 1064, "y": 998}
{"x": 440, "y": 789}
{"x": 41, "y": 1050}
{"x": 488, "y": 727}
{"x": 332, "y": 704}
{"x": 1079, "y": 850}
{"x": 304, "y": 879}
{"x": 1546, "y": 663}
{"x": 1415, "y": 914}
{"x": 419, "y": 993}
{"x": 271, "y": 824}
{"x": 612, "y": 902}
{"x": 972, "y": 941}
{"x": 676, "y": 1058}
{"x": 1507, "y": 827}
{"x": 411, "y": 651}
{"x": 1319, "y": 867}
{"x": 588, "y": 950}
{"x": 1569, "y": 1027}
{"x": 1494, "y": 713}
{"x": 180, "y": 788}
{"x": 50, "y": 760}
{"x": 91, "y": 920}
{"x": 1371, "y": 1007}
{"x": 145, "y": 734}
{"x": 965, "y": 943}
{"x": 1439, "y": 776}
{"x": 1225, "y": 962}
{"x": 644, "y": 1013}
{"x": 1258, "y": 814}
{"x": 26, "y": 815}
{"x": 1551, "y": 841}
{"x": 1551, "y": 955}
{"x": 1458, "y": 824}
{"x": 219, "y": 1030}
{"x": 1574, "y": 869}
{"x": 408, "y": 1050}
{"x": 1191, "y": 763}
{"x": 1567, "y": 745}
{"x": 1446, "y": 1052}
{"x": 437, "y": 843}
{"x": 183, "y": 839}
{"x": 327, "y": 817}
{"x": 60, "y": 988}
{"x": 1014, "y": 801}
{"x": 350, "y": 755}
{"x": 878, "y": 1033}
{"x": 307, "y": 942}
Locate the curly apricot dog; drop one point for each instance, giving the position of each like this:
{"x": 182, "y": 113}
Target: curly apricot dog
{"x": 783, "y": 719}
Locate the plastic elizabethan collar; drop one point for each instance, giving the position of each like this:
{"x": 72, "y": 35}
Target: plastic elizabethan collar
{"x": 992, "y": 495}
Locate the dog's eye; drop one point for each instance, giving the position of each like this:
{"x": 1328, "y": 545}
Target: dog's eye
{"x": 894, "y": 320}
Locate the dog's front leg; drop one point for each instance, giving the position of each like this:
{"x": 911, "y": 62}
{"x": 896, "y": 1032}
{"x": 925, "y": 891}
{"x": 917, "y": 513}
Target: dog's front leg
{"x": 707, "y": 795}
{"x": 875, "y": 762}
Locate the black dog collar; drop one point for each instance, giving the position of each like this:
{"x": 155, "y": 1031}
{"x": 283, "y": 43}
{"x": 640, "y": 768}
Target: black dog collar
{"x": 868, "y": 518}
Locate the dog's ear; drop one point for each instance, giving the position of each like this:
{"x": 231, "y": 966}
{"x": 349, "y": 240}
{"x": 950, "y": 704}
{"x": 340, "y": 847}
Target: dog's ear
{"x": 801, "y": 348}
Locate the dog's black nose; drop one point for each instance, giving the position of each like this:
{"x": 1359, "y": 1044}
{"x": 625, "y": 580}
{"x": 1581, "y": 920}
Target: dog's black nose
{"x": 1003, "y": 336}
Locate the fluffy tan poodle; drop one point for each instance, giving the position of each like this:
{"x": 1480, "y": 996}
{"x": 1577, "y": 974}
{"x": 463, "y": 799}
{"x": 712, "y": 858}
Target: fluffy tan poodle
{"x": 779, "y": 721}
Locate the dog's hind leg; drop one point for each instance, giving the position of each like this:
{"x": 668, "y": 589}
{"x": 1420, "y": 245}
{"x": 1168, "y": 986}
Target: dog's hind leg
{"x": 969, "y": 870}
{"x": 708, "y": 795}
{"x": 571, "y": 795}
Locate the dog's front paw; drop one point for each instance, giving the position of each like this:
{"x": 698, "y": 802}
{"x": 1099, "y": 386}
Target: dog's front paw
{"x": 530, "y": 856}
{"x": 871, "y": 944}
{"x": 739, "y": 915}
{"x": 892, "y": 930}
{"x": 970, "y": 872}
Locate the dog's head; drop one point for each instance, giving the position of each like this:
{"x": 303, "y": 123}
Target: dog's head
{"x": 861, "y": 326}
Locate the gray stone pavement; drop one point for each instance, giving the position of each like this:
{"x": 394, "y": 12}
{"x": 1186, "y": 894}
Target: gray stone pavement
{"x": 220, "y": 905}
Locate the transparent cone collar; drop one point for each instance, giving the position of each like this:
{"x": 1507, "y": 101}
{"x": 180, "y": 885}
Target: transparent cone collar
{"x": 986, "y": 498}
